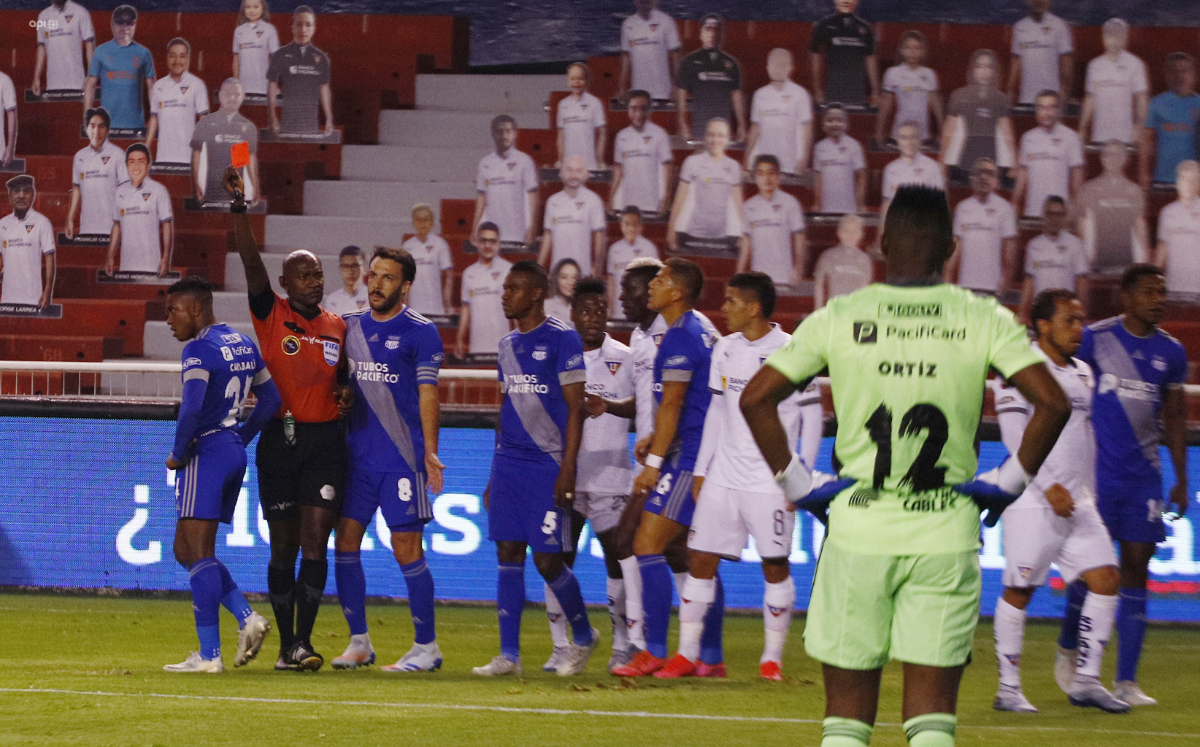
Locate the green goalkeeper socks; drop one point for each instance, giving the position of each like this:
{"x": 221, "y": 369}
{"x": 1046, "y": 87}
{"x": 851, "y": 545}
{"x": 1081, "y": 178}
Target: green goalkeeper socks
{"x": 845, "y": 732}
{"x": 931, "y": 730}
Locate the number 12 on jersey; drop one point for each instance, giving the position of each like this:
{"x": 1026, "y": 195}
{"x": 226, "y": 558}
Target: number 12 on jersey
{"x": 923, "y": 474}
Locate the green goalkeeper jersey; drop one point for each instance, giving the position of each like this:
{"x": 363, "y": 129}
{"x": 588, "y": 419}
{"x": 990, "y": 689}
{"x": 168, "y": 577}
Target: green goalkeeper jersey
{"x": 907, "y": 369}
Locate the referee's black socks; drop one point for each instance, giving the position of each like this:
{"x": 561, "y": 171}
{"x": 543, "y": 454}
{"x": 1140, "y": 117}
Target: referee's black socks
{"x": 311, "y": 581}
{"x": 281, "y": 583}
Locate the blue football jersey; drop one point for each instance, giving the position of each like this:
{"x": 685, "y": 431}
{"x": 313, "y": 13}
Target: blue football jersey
{"x": 685, "y": 356}
{"x": 122, "y": 72}
{"x": 533, "y": 369}
{"x": 230, "y": 365}
{"x": 1132, "y": 375}
{"x": 388, "y": 362}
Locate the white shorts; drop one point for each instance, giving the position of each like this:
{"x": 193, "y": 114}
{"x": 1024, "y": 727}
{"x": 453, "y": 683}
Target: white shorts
{"x": 1035, "y": 537}
{"x": 725, "y": 517}
{"x": 603, "y": 511}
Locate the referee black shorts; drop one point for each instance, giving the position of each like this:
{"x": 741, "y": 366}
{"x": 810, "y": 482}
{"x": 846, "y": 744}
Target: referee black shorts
{"x": 311, "y": 473}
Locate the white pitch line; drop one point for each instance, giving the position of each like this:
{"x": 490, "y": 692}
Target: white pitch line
{"x": 557, "y": 711}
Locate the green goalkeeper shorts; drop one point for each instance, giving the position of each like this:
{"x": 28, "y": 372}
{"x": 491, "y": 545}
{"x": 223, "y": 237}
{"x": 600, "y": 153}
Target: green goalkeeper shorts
{"x": 867, "y": 609}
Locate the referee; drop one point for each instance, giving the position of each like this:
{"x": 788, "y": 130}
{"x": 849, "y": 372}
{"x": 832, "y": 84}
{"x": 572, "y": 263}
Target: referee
{"x": 301, "y": 456}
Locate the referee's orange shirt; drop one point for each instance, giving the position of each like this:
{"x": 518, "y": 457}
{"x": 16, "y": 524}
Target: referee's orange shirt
{"x": 302, "y": 356}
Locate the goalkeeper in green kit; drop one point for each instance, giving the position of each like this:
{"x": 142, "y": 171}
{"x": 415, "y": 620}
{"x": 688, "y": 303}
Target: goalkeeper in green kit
{"x": 898, "y": 576}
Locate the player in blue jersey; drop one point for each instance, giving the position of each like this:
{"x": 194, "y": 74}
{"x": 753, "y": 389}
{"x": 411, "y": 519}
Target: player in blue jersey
{"x": 681, "y": 390}
{"x": 220, "y": 370}
{"x": 394, "y": 355}
{"x": 1139, "y": 403}
{"x": 532, "y": 485}
{"x": 121, "y": 67}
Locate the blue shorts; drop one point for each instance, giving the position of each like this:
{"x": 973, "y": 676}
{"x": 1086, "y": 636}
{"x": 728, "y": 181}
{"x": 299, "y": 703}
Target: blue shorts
{"x": 672, "y": 496}
{"x": 208, "y": 486}
{"x": 521, "y": 505}
{"x": 400, "y": 496}
{"x": 1132, "y": 511}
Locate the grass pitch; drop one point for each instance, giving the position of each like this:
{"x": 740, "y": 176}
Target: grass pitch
{"x": 87, "y": 671}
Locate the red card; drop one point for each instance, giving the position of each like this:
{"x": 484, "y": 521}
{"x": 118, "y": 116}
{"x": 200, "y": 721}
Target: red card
{"x": 240, "y": 154}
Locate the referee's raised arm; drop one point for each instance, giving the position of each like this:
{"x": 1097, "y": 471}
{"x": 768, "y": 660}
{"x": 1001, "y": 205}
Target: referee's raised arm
{"x": 258, "y": 283}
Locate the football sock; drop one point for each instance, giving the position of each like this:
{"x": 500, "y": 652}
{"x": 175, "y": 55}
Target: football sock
{"x": 232, "y": 598}
{"x": 205, "y": 581}
{"x": 680, "y": 579}
{"x": 510, "y": 601}
{"x": 845, "y": 732}
{"x": 1131, "y": 629}
{"x": 635, "y": 618}
{"x": 1009, "y": 630}
{"x": 570, "y": 598}
{"x": 656, "y": 602}
{"x": 616, "y": 610}
{"x": 311, "y": 582}
{"x": 420, "y": 599}
{"x": 1068, "y": 637}
{"x": 931, "y": 730}
{"x": 778, "y": 601}
{"x": 1095, "y": 626}
{"x": 712, "y": 650}
{"x": 696, "y": 596}
{"x": 558, "y": 621}
{"x": 352, "y": 589}
{"x": 281, "y": 585}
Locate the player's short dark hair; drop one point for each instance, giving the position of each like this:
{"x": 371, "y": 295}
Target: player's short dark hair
{"x": 633, "y": 210}
{"x": 500, "y": 119}
{"x": 408, "y": 265}
{"x": 589, "y": 286}
{"x": 761, "y": 285}
{"x": 688, "y": 277}
{"x": 923, "y": 220}
{"x": 911, "y": 34}
{"x": 138, "y": 148}
{"x": 537, "y": 274}
{"x": 1054, "y": 200}
{"x": 195, "y": 286}
{"x": 487, "y": 225}
{"x": 766, "y": 158}
{"x": 1048, "y": 93}
{"x": 642, "y": 269}
{"x": 124, "y": 15}
{"x": 303, "y": 9}
{"x": 179, "y": 40}
{"x": 639, "y": 93}
{"x": 97, "y": 111}
{"x": 834, "y": 105}
{"x": 1045, "y": 305}
{"x": 350, "y": 251}
{"x": 1134, "y": 273}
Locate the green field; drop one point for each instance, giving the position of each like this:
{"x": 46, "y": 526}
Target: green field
{"x": 87, "y": 671}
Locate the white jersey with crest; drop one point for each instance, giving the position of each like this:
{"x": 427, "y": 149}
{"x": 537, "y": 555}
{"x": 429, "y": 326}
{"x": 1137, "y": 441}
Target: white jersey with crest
{"x": 177, "y": 103}
{"x": 604, "y": 467}
{"x": 97, "y": 174}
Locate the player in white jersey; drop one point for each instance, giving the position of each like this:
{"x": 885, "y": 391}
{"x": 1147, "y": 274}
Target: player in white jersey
{"x": 506, "y": 186}
{"x": 574, "y": 222}
{"x": 1043, "y": 55}
{"x": 254, "y": 41}
{"x": 1118, "y": 90}
{"x": 96, "y": 172}
{"x": 839, "y": 167}
{"x": 431, "y": 291}
{"x": 630, "y": 247}
{"x": 1179, "y": 233}
{"x": 845, "y": 268}
{"x": 26, "y": 249}
{"x": 911, "y": 90}
{"x": 142, "y": 228}
{"x": 1055, "y": 520}
{"x": 175, "y": 101}
{"x": 737, "y": 496}
{"x": 781, "y": 116}
{"x": 643, "y": 164}
{"x": 708, "y": 201}
{"x": 1055, "y": 258}
{"x": 481, "y": 317}
{"x": 773, "y": 228}
{"x": 8, "y": 107}
{"x": 1050, "y": 160}
{"x": 649, "y": 51}
{"x": 582, "y": 130}
{"x": 61, "y": 28}
{"x": 912, "y": 167}
{"x": 352, "y": 296}
{"x": 985, "y": 234}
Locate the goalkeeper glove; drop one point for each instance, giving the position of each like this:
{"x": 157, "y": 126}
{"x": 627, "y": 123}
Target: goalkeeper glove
{"x": 995, "y": 490}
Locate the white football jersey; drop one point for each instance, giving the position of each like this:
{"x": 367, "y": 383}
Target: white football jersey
{"x": 8, "y": 103}
{"x": 1049, "y": 156}
{"x": 432, "y": 257}
{"x": 341, "y": 303}
{"x": 177, "y": 104}
{"x": 912, "y": 89}
{"x": 836, "y": 161}
{"x": 1055, "y": 262}
{"x": 1113, "y": 84}
{"x": 141, "y": 211}
{"x": 1179, "y": 229}
{"x": 981, "y": 228}
{"x": 97, "y": 174}
{"x": 578, "y": 118}
{"x": 845, "y": 268}
{"x": 62, "y": 33}
{"x": 644, "y": 156}
{"x": 506, "y": 182}
{"x": 604, "y": 464}
{"x": 254, "y": 43}
{"x": 1039, "y": 45}
{"x": 1072, "y": 461}
{"x": 571, "y": 222}
{"x": 482, "y": 286}
{"x": 770, "y": 226}
{"x": 23, "y": 243}
{"x": 649, "y": 42}
{"x": 709, "y": 211}
{"x": 922, "y": 170}
{"x": 780, "y": 114}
